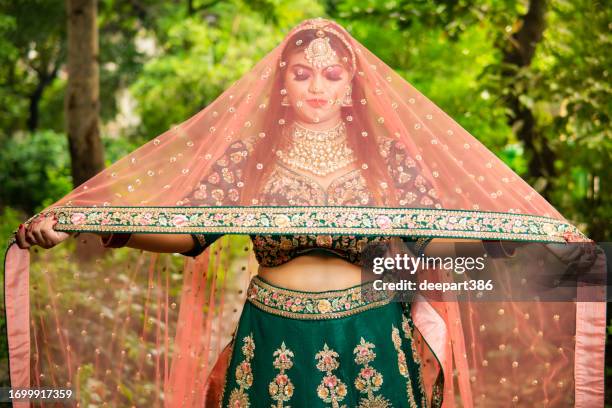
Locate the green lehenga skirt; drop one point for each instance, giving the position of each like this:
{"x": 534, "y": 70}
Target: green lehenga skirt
{"x": 342, "y": 348}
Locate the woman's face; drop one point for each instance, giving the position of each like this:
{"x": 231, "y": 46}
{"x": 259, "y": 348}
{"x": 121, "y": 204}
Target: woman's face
{"x": 315, "y": 94}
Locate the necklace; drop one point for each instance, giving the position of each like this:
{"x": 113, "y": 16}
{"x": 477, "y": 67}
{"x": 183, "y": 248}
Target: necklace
{"x": 320, "y": 152}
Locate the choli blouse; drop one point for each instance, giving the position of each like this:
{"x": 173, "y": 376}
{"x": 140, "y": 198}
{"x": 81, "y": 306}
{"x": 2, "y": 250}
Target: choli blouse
{"x": 286, "y": 187}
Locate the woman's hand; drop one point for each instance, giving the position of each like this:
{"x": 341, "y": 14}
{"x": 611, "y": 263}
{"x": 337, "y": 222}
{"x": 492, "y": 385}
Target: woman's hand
{"x": 40, "y": 232}
{"x": 581, "y": 255}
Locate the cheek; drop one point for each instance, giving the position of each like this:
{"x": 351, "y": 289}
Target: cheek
{"x": 295, "y": 89}
{"x": 338, "y": 88}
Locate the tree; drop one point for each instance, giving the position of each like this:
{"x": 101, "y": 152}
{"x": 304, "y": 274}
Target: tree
{"x": 82, "y": 94}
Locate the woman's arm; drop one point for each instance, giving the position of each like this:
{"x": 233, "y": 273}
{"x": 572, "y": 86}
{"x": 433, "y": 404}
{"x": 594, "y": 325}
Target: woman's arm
{"x": 188, "y": 245}
{"x": 169, "y": 243}
{"x": 447, "y": 246}
{"x": 40, "y": 232}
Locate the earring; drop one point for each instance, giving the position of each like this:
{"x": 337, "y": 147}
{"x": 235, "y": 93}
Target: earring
{"x": 285, "y": 101}
{"x": 347, "y": 100}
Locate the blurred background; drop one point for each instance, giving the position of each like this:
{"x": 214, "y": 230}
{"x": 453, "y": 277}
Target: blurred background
{"x": 530, "y": 79}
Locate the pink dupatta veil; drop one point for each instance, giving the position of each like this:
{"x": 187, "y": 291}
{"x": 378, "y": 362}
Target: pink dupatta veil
{"x": 132, "y": 328}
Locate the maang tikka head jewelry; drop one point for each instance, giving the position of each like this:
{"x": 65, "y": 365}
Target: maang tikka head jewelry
{"x": 321, "y": 46}
{"x": 319, "y": 52}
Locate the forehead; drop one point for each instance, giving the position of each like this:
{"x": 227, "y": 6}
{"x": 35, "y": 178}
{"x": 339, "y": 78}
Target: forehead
{"x": 298, "y": 57}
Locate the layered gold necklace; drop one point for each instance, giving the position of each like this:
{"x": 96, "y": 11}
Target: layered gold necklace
{"x": 320, "y": 152}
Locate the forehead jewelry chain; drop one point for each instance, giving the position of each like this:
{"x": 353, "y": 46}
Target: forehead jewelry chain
{"x": 319, "y": 52}
{"x": 319, "y": 152}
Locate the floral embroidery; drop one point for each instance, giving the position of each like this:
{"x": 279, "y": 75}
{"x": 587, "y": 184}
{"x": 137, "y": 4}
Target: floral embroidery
{"x": 349, "y": 189}
{"x": 407, "y": 327}
{"x": 404, "y": 169}
{"x": 315, "y": 220}
{"x": 244, "y": 375}
{"x": 331, "y": 389}
{"x": 369, "y": 379}
{"x": 273, "y": 250}
{"x": 281, "y": 387}
{"x": 287, "y": 187}
{"x": 238, "y": 399}
{"x": 322, "y": 305}
{"x": 402, "y": 365}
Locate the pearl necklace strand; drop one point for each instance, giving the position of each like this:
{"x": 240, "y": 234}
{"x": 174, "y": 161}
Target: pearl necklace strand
{"x": 320, "y": 152}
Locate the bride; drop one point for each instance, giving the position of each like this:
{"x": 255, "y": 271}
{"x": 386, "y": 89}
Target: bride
{"x": 320, "y": 127}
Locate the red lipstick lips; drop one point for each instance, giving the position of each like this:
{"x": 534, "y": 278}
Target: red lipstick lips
{"x": 316, "y": 103}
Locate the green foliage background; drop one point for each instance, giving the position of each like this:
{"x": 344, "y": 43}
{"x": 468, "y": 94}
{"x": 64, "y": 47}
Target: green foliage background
{"x": 449, "y": 50}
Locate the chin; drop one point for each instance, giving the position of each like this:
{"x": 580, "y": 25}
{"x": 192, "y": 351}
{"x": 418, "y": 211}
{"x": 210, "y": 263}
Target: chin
{"x": 312, "y": 117}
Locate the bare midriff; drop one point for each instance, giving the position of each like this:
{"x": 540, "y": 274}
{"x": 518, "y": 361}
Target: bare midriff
{"x": 316, "y": 272}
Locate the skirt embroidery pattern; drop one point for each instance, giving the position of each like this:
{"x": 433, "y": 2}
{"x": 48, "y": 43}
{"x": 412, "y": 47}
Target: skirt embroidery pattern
{"x": 281, "y": 387}
{"x": 407, "y": 327}
{"x": 362, "y": 357}
{"x": 402, "y": 365}
{"x": 331, "y": 389}
{"x": 244, "y": 375}
{"x": 369, "y": 380}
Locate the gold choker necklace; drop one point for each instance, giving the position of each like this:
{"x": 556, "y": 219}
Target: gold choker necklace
{"x": 320, "y": 152}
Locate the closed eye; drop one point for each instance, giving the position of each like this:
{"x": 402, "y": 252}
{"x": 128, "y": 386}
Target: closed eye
{"x": 334, "y": 77}
{"x": 334, "y": 73}
{"x": 302, "y": 77}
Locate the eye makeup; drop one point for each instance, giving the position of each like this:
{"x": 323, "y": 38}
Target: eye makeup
{"x": 332, "y": 73}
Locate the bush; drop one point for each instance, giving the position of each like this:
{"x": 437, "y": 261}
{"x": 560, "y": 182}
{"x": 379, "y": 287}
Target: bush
{"x": 34, "y": 169}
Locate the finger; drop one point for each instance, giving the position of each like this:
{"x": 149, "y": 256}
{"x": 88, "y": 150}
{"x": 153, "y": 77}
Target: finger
{"x": 28, "y": 235}
{"x": 60, "y": 234}
{"x": 49, "y": 237}
{"x": 52, "y": 236}
{"x": 20, "y": 237}
{"x": 47, "y": 233}
{"x": 37, "y": 234}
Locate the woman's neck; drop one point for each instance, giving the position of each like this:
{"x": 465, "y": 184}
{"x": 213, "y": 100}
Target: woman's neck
{"x": 328, "y": 124}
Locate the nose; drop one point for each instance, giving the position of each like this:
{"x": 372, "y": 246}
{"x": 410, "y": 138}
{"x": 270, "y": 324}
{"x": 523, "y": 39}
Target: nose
{"x": 316, "y": 84}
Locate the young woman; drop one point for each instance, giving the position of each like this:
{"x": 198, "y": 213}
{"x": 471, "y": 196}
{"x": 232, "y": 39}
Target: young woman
{"x": 319, "y": 154}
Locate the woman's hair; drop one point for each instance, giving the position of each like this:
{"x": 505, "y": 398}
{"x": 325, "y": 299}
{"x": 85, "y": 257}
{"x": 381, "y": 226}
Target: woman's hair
{"x": 365, "y": 148}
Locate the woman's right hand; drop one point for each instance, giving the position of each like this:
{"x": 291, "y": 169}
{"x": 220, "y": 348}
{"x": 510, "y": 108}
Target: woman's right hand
{"x": 40, "y": 232}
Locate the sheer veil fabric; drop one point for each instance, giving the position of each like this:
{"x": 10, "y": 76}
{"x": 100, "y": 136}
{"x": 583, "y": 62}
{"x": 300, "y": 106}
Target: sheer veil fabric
{"x": 132, "y": 328}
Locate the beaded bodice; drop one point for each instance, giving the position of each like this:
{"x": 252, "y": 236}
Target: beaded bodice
{"x": 288, "y": 187}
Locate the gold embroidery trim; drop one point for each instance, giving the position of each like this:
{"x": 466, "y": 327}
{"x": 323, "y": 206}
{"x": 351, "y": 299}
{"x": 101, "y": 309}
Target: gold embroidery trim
{"x": 429, "y": 222}
{"x": 333, "y": 315}
{"x": 356, "y": 299}
{"x": 232, "y": 347}
{"x": 313, "y": 295}
{"x": 244, "y": 375}
{"x": 407, "y": 329}
{"x": 402, "y": 364}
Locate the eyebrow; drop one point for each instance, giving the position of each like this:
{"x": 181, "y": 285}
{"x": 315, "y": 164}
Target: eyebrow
{"x": 299, "y": 65}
